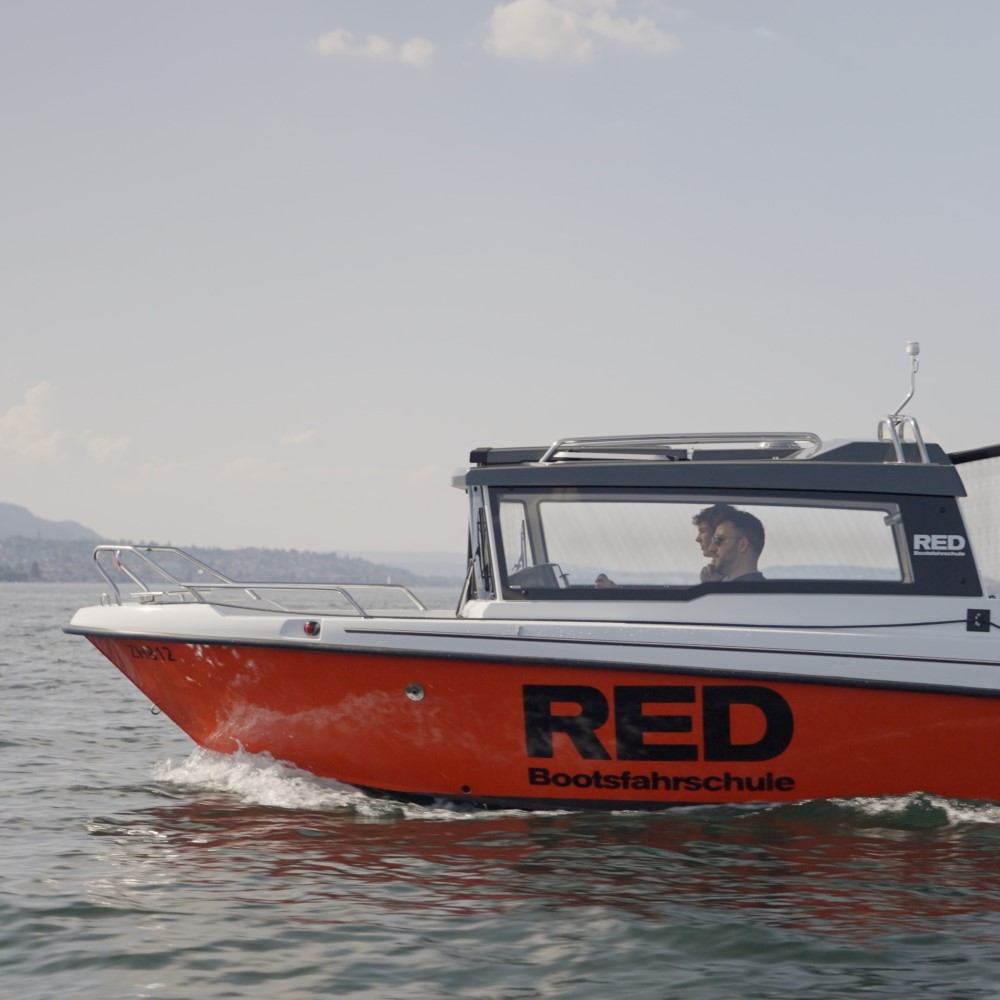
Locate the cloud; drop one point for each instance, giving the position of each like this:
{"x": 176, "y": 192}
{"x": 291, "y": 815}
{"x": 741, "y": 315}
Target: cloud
{"x": 640, "y": 34}
{"x": 764, "y": 34}
{"x": 32, "y": 430}
{"x": 251, "y": 468}
{"x": 543, "y": 30}
{"x": 299, "y": 437}
{"x": 25, "y": 428}
{"x": 416, "y": 53}
{"x": 569, "y": 31}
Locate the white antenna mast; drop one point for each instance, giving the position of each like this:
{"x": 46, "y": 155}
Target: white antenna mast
{"x": 894, "y": 425}
{"x": 913, "y": 350}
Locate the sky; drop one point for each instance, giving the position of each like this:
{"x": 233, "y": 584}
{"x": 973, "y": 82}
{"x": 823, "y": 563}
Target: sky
{"x": 271, "y": 270}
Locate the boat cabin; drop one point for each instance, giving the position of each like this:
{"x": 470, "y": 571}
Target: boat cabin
{"x": 617, "y": 519}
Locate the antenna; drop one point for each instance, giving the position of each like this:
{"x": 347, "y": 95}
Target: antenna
{"x": 894, "y": 425}
{"x": 913, "y": 350}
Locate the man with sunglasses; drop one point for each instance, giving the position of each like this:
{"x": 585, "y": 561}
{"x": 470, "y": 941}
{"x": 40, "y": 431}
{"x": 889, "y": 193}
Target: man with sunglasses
{"x": 706, "y": 521}
{"x": 709, "y": 524}
{"x": 736, "y": 546}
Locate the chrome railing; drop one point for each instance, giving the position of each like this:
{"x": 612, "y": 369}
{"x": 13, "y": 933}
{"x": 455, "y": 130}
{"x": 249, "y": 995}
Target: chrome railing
{"x": 641, "y": 445}
{"x": 144, "y": 566}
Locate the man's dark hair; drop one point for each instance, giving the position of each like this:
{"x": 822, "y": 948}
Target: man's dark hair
{"x": 714, "y": 516}
{"x": 748, "y": 526}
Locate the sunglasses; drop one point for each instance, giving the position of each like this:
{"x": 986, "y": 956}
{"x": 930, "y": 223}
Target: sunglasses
{"x": 719, "y": 539}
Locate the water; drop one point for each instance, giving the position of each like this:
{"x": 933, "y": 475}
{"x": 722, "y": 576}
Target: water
{"x": 132, "y": 865}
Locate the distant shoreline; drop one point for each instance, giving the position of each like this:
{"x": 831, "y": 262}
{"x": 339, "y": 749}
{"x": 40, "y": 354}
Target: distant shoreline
{"x": 52, "y": 560}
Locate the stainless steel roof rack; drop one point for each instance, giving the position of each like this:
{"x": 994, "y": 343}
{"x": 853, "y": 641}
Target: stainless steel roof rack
{"x": 665, "y": 447}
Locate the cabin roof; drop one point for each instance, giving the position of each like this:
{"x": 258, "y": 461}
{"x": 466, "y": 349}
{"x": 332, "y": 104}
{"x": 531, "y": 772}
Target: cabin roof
{"x": 780, "y": 462}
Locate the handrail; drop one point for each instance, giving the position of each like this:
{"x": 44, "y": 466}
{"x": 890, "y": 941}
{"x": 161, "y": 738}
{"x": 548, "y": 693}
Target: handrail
{"x": 203, "y": 591}
{"x": 142, "y": 553}
{"x": 565, "y": 447}
{"x": 891, "y": 425}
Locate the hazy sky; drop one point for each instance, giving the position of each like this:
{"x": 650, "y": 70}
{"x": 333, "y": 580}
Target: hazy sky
{"x": 271, "y": 269}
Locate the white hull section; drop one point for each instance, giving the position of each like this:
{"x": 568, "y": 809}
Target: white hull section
{"x": 916, "y": 643}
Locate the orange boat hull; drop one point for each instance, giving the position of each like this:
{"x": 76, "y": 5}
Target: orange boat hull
{"x": 539, "y": 734}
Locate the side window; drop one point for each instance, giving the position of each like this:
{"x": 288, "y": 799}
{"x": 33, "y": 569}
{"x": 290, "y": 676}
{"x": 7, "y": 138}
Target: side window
{"x": 525, "y": 563}
{"x": 632, "y": 543}
{"x": 829, "y": 543}
{"x": 514, "y": 533}
{"x": 629, "y": 540}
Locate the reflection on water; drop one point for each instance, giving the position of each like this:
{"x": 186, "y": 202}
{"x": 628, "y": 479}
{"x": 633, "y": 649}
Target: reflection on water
{"x": 853, "y": 871}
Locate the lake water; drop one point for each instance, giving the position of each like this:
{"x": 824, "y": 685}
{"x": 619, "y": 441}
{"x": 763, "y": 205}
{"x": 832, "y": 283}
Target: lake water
{"x": 132, "y": 865}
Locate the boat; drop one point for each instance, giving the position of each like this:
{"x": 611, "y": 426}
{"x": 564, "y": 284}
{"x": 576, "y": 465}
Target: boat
{"x": 622, "y": 640}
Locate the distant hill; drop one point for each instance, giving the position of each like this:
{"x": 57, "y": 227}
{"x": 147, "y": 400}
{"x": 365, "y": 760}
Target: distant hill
{"x": 32, "y": 548}
{"x": 19, "y": 522}
{"x": 69, "y": 560}
{"x": 277, "y": 565}
{"x": 451, "y": 565}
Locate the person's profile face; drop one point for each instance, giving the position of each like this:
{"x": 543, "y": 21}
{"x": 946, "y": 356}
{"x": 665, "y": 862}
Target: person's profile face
{"x": 704, "y": 537}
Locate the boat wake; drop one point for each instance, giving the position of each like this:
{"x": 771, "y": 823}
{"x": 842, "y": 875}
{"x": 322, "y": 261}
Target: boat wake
{"x": 260, "y": 780}
{"x": 918, "y": 810}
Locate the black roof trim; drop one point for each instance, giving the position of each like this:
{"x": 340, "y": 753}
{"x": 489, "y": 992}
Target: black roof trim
{"x": 506, "y": 456}
{"x": 809, "y": 475}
